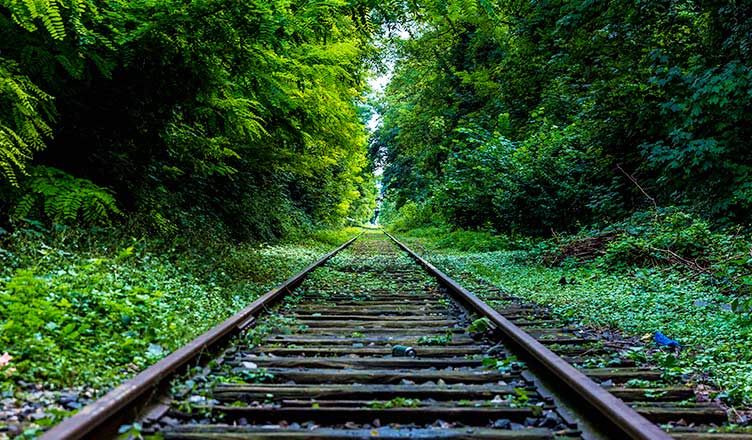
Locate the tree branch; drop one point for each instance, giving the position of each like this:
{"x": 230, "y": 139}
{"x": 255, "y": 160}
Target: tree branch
{"x": 633, "y": 180}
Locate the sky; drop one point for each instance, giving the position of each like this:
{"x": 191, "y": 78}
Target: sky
{"x": 379, "y": 81}
{"x": 378, "y": 84}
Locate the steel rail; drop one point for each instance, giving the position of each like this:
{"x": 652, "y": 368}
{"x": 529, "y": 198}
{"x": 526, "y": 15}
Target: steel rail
{"x": 102, "y": 413}
{"x": 614, "y": 409}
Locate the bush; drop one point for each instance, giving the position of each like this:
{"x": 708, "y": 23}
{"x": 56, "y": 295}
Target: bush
{"x": 92, "y": 308}
{"x": 666, "y": 235}
{"x": 473, "y": 241}
{"x": 335, "y": 237}
{"x": 62, "y": 198}
{"x": 541, "y": 183}
{"x": 412, "y": 215}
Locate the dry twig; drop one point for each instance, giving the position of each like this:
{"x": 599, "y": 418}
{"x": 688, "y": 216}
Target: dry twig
{"x": 633, "y": 180}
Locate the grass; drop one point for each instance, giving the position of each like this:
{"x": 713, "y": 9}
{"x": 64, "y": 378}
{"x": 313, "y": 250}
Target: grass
{"x": 89, "y": 312}
{"x": 637, "y": 300}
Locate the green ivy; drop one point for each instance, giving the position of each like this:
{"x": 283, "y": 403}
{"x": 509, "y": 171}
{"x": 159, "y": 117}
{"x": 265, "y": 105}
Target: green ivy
{"x": 81, "y": 311}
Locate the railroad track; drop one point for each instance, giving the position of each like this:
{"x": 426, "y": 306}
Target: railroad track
{"x": 369, "y": 344}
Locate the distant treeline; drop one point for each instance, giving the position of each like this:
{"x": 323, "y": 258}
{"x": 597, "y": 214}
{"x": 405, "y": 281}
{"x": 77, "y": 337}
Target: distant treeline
{"x": 528, "y": 116}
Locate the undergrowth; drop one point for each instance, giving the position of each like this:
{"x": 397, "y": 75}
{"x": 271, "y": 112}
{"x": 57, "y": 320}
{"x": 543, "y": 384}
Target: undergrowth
{"x": 659, "y": 270}
{"x": 92, "y": 310}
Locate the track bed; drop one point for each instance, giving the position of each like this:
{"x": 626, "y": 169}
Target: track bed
{"x": 368, "y": 344}
{"x": 327, "y": 368}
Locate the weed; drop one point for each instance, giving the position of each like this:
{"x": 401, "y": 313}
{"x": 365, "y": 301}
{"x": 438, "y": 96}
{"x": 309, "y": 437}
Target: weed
{"x": 688, "y": 306}
{"x": 480, "y": 325}
{"x": 639, "y": 383}
{"x": 397, "y": 402}
{"x": 258, "y": 375}
{"x": 91, "y": 310}
{"x": 505, "y": 365}
{"x": 444, "y": 339}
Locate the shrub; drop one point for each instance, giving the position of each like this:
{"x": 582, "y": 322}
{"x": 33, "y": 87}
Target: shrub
{"x": 413, "y": 215}
{"x": 61, "y": 198}
{"x": 531, "y": 186}
{"x": 665, "y": 235}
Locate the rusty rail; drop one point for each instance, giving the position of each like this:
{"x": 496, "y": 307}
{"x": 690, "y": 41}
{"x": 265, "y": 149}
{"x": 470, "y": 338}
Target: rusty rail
{"x": 105, "y": 413}
{"x": 625, "y": 418}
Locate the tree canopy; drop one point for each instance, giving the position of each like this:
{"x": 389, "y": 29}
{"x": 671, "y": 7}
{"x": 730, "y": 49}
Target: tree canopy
{"x": 509, "y": 115}
{"x": 183, "y": 112}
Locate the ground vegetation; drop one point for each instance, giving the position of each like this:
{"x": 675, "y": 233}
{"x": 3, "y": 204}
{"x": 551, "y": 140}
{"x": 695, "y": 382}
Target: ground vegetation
{"x": 697, "y": 308}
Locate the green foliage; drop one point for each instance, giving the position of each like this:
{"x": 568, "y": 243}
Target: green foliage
{"x": 505, "y": 365}
{"x": 531, "y": 186}
{"x": 63, "y": 198}
{"x": 444, "y": 339}
{"x": 539, "y": 117}
{"x": 126, "y": 432}
{"x": 693, "y": 307}
{"x": 444, "y": 236}
{"x": 397, "y": 402}
{"x": 480, "y": 325}
{"x": 279, "y": 324}
{"x": 477, "y": 241}
{"x": 662, "y": 235}
{"x": 269, "y": 124}
{"x": 258, "y": 375}
{"x": 28, "y": 65}
{"x": 24, "y": 119}
{"x": 29, "y": 12}
{"x": 335, "y": 237}
{"x": 87, "y": 309}
{"x": 197, "y": 114}
{"x": 702, "y": 138}
{"x": 411, "y": 215}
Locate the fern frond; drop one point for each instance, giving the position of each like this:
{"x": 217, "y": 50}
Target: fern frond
{"x": 23, "y": 128}
{"x": 22, "y": 15}
{"x": 51, "y": 18}
{"x": 73, "y": 65}
{"x": 63, "y": 198}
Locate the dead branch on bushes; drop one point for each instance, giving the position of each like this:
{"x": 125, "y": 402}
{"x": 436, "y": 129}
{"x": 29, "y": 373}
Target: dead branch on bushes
{"x": 678, "y": 259}
{"x": 581, "y": 249}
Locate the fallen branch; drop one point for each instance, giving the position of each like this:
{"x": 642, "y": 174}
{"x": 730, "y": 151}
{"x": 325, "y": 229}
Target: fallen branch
{"x": 689, "y": 263}
{"x": 580, "y": 249}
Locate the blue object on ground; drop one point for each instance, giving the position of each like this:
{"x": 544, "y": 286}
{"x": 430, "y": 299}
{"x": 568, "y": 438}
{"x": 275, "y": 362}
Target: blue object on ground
{"x": 662, "y": 339}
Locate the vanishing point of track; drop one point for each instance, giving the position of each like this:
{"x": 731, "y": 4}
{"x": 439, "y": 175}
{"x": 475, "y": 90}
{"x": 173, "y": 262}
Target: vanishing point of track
{"x": 365, "y": 344}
